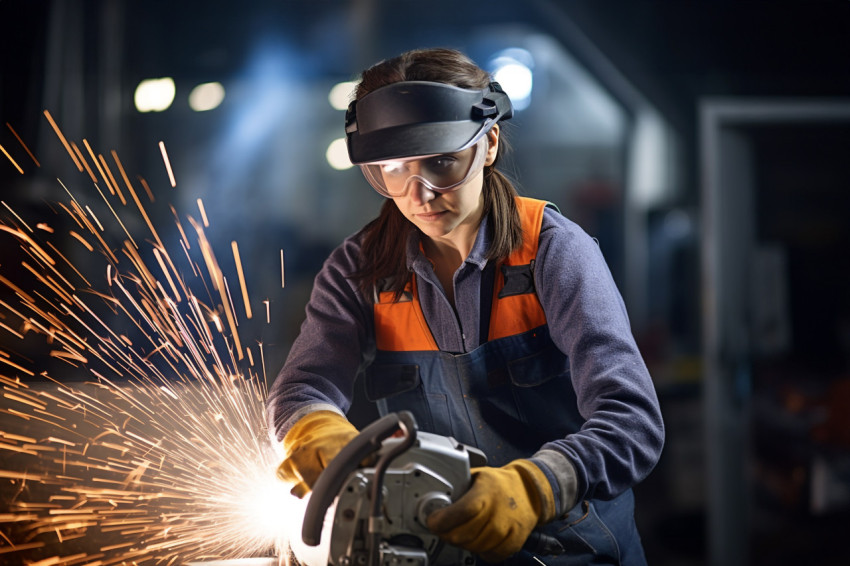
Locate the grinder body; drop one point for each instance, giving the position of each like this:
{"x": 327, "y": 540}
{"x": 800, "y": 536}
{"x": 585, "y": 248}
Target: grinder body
{"x": 380, "y": 511}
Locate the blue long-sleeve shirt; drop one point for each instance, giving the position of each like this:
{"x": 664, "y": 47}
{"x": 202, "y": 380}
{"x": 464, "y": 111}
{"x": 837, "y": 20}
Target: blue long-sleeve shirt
{"x": 621, "y": 439}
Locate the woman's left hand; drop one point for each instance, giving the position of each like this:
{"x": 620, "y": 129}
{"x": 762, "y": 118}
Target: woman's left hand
{"x": 497, "y": 514}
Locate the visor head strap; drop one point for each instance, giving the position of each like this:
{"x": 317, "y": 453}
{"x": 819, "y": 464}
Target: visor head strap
{"x": 411, "y": 118}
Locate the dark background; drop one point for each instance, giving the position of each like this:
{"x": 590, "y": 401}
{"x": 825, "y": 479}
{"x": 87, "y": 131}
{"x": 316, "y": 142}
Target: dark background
{"x": 601, "y": 68}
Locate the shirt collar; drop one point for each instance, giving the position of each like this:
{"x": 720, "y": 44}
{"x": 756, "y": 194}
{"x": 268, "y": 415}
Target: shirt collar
{"x": 477, "y": 257}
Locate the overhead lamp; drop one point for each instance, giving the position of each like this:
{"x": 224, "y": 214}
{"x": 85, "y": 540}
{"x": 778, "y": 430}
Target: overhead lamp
{"x": 341, "y": 94}
{"x": 155, "y": 95}
{"x": 512, "y": 69}
{"x": 206, "y": 96}
{"x": 337, "y": 155}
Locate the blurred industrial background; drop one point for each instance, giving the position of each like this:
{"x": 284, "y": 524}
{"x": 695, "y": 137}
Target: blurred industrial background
{"x": 704, "y": 144}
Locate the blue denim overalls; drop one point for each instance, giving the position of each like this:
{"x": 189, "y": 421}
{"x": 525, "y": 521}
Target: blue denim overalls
{"x": 507, "y": 397}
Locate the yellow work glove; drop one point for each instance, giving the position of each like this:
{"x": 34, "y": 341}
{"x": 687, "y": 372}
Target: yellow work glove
{"x": 310, "y": 445}
{"x": 496, "y": 515}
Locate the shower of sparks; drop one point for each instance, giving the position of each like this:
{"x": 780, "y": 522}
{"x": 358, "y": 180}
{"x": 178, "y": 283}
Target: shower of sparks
{"x": 167, "y": 164}
{"x": 158, "y": 452}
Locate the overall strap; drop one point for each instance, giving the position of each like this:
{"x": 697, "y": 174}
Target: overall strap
{"x": 516, "y": 308}
{"x": 488, "y": 279}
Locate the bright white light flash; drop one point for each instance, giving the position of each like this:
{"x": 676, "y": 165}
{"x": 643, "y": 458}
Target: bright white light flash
{"x": 266, "y": 509}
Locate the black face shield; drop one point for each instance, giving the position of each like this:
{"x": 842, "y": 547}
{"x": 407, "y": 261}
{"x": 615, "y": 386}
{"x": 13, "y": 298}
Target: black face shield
{"x": 413, "y": 118}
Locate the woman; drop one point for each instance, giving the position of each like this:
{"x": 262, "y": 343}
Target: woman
{"x": 492, "y": 318}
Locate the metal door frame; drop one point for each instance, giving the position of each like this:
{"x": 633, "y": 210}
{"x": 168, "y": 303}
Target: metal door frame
{"x": 728, "y": 218}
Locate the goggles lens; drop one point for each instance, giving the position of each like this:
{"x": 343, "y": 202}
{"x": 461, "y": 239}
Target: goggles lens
{"x": 440, "y": 173}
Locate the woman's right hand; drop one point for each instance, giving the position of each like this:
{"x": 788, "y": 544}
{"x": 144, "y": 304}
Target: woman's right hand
{"x": 310, "y": 445}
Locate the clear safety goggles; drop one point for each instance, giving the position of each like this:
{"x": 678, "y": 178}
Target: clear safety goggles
{"x": 439, "y": 173}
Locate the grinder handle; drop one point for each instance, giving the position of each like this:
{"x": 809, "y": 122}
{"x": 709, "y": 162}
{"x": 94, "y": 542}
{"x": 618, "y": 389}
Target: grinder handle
{"x": 347, "y": 461}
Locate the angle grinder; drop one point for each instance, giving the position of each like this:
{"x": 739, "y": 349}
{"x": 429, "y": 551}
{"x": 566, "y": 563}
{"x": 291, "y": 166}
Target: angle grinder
{"x": 381, "y": 508}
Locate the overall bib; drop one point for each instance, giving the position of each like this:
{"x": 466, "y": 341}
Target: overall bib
{"x": 507, "y": 397}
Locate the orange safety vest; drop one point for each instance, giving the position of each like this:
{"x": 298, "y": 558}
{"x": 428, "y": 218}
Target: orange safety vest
{"x": 400, "y": 326}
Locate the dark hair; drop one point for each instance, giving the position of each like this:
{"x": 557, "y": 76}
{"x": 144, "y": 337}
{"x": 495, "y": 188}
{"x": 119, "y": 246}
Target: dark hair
{"x": 384, "y": 264}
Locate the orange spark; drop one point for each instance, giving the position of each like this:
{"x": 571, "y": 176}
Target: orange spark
{"x": 68, "y": 356}
{"x": 65, "y": 259}
{"x": 82, "y": 240}
{"x": 82, "y": 216}
{"x": 183, "y": 237}
{"x": 63, "y": 140}
{"x": 94, "y": 216}
{"x": 20, "y": 141}
{"x": 84, "y": 161}
{"x": 112, "y": 181}
{"x": 16, "y": 216}
{"x": 147, "y": 188}
{"x": 115, "y": 214}
{"x": 12, "y": 331}
{"x": 97, "y": 164}
{"x": 203, "y": 213}
{"x": 15, "y": 163}
{"x": 230, "y": 298}
{"x": 263, "y": 362}
{"x": 241, "y": 278}
{"x": 167, "y": 164}
{"x": 33, "y": 246}
{"x": 73, "y": 198}
{"x": 167, "y": 274}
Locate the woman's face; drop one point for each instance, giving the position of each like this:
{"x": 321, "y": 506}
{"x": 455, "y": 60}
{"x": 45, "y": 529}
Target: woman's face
{"x": 453, "y": 214}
